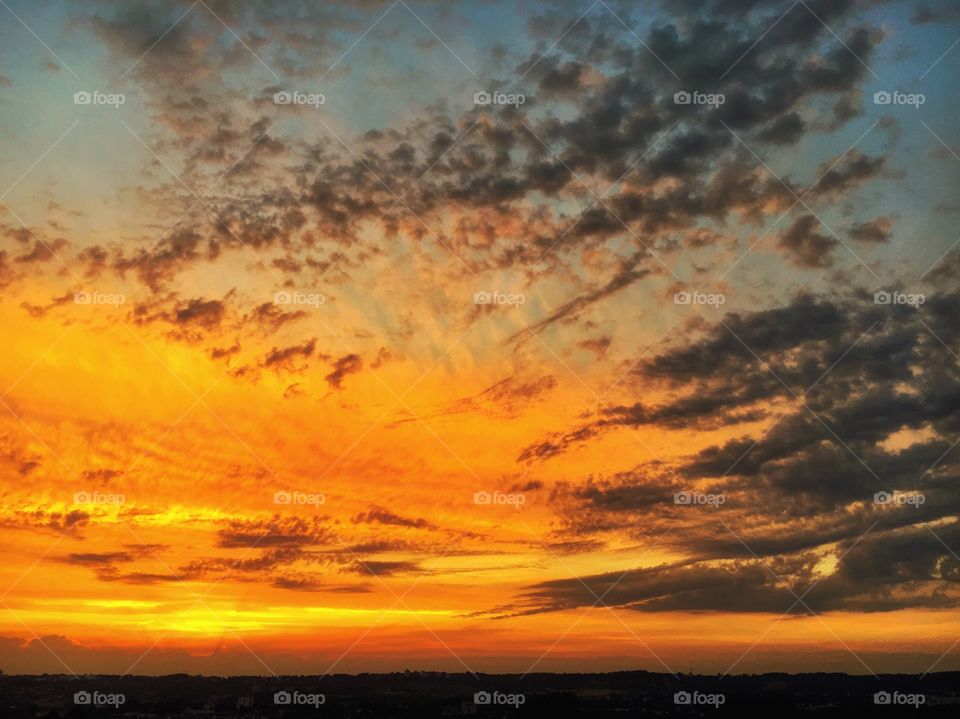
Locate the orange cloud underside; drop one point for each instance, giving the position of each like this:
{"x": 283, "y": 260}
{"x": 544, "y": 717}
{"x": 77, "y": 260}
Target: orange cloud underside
{"x": 110, "y": 410}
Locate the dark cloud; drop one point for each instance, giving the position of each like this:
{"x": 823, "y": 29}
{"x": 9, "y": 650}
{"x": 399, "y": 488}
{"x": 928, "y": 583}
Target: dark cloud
{"x": 606, "y": 113}
{"x": 555, "y": 78}
{"x": 47, "y": 522}
{"x": 384, "y": 516}
{"x": 915, "y": 565}
{"x": 597, "y": 345}
{"x": 801, "y": 488}
{"x": 935, "y": 11}
{"x": 102, "y": 475}
{"x": 627, "y": 275}
{"x": 275, "y": 532}
{"x": 271, "y": 317}
{"x": 300, "y": 584}
{"x": 785, "y": 130}
{"x": 159, "y": 264}
{"x": 18, "y": 457}
{"x": 383, "y": 356}
{"x": 188, "y": 321}
{"x": 382, "y": 568}
{"x": 285, "y": 356}
{"x": 40, "y": 311}
{"x": 509, "y": 397}
{"x": 202, "y": 313}
{"x": 877, "y": 230}
{"x": 224, "y": 352}
{"x": 42, "y": 251}
{"x": 105, "y": 565}
{"x": 343, "y": 366}
{"x": 805, "y": 245}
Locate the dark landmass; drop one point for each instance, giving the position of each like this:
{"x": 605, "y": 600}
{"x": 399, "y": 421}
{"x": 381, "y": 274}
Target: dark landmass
{"x": 439, "y": 694}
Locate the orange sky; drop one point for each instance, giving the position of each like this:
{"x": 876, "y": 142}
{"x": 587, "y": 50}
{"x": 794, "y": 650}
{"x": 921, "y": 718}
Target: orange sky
{"x": 401, "y": 304}
{"x": 102, "y": 407}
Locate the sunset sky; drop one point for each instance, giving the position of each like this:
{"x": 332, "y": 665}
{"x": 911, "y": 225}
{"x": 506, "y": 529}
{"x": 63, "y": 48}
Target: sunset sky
{"x": 387, "y": 377}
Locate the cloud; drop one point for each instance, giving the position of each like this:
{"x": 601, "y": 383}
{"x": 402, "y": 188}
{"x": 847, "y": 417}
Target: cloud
{"x": 46, "y": 521}
{"x": 509, "y": 397}
{"x": 382, "y": 568}
{"x": 384, "y": 516}
{"x": 343, "y": 366}
{"x": 833, "y": 381}
{"x": 275, "y": 532}
{"x": 283, "y": 357}
{"x": 42, "y": 251}
{"x": 596, "y": 345}
{"x": 189, "y": 320}
{"x": 105, "y": 564}
{"x": 627, "y": 275}
{"x": 271, "y": 317}
{"x": 795, "y": 408}
{"x": 605, "y": 112}
{"x": 883, "y": 573}
{"x": 102, "y": 475}
{"x": 20, "y": 458}
{"x": 876, "y": 230}
{"x": 807, "y": 247}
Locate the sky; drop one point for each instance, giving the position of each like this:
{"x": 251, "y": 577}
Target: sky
{"x": 479, "y": 336}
